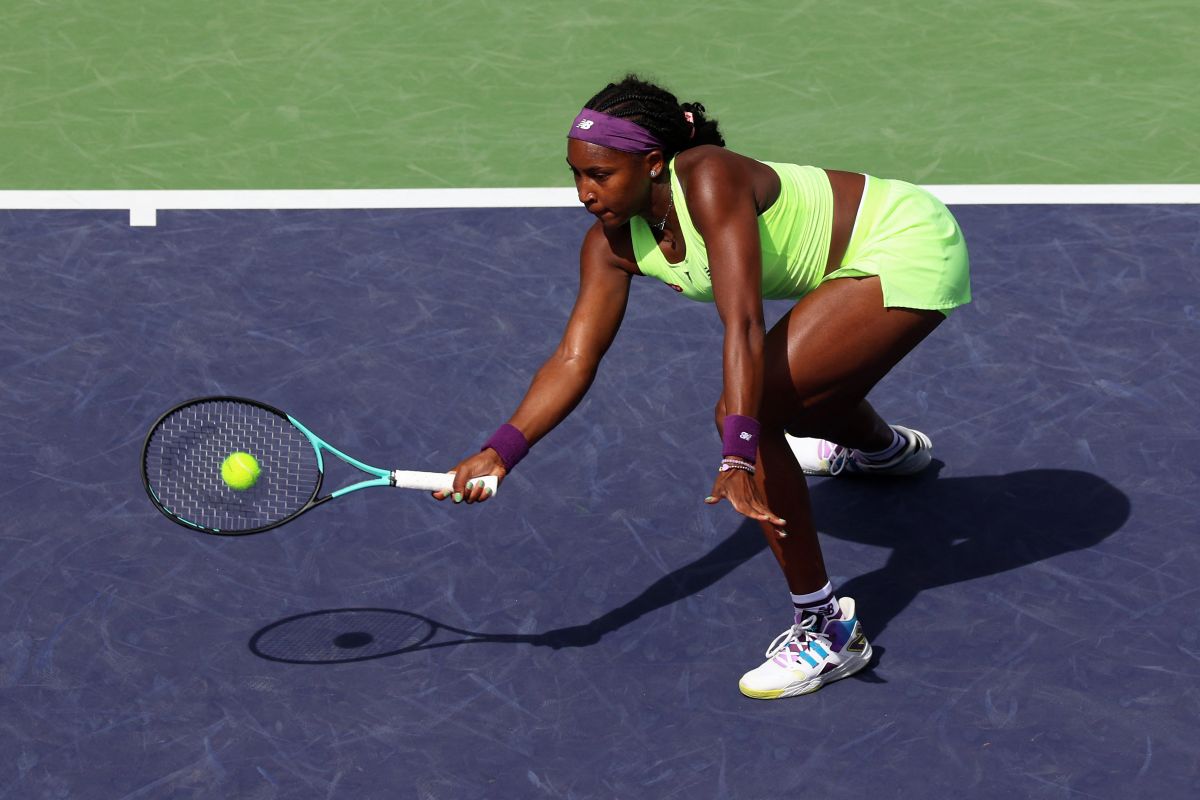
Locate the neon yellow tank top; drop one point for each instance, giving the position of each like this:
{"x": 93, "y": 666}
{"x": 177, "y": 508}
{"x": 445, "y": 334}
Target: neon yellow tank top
{"x": 794, "y": 233}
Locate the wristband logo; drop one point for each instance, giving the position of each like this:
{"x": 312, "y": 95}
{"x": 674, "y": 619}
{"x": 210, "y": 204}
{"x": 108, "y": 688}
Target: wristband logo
{"x": 745, "y": 437}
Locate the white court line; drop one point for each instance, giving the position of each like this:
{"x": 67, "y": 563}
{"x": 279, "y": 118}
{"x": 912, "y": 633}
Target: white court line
{"x": 143, "y": 205}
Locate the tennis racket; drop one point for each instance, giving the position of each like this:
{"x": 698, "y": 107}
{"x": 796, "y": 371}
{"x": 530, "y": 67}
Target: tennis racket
{"x": 185, "y": 449}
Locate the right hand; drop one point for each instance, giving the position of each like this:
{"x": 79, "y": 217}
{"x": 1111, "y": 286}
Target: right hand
{"x": 746, "y": 497}
{"x": 485, "y": 462}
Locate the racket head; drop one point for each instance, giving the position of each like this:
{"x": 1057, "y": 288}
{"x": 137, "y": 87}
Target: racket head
{"x": 340, "y": 636}
{"x": 184, "y": 450}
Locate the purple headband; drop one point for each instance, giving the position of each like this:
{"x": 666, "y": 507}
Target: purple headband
{"x": 608, "y": 131}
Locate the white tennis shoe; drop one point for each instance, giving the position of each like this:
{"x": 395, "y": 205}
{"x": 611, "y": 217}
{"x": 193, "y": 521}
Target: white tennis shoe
{"x": 821, "y": 457}
{"x": 802, "y": 659}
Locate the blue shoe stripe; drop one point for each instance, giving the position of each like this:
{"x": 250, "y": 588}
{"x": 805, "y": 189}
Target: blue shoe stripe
{"x": 820, "y": 651}
{"x": 812, "y": 662}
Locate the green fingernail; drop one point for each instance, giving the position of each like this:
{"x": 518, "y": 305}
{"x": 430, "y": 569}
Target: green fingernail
{"x": 458, "y": 497}
{"x": 470, "y": 486}
{"x": 709, "y": 499}
{"x": 488, "y": 493}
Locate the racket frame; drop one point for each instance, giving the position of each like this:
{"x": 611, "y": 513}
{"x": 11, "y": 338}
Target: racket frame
{"x": 404, "y": 479}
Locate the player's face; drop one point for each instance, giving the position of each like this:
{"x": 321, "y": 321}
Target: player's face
{"x": 612, "y": 185}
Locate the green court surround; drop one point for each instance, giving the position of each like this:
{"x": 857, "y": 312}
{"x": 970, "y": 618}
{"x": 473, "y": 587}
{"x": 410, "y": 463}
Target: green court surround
{"x": 370, "y": 94}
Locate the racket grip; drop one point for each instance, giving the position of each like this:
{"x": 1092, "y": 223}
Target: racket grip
{"x": 434, "y": 481}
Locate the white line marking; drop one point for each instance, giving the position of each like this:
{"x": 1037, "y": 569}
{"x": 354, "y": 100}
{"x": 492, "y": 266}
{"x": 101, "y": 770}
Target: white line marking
{"x": 140, "y": 216}
{"x": 143, "y": 204}
{"x": 1067, "y": 193}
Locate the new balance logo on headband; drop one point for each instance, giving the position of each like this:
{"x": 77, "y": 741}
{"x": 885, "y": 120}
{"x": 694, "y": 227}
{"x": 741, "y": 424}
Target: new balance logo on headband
{"x": 606, "y": 130}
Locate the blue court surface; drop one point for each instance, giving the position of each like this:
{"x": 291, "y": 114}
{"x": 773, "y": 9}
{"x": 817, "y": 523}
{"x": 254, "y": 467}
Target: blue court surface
{"x": 1032, "y": 601}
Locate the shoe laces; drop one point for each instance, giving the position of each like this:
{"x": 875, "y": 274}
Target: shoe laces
{"x": 797, "y": 637}
{"x": 837, "y": 462}
{"x": 844, "y": 457}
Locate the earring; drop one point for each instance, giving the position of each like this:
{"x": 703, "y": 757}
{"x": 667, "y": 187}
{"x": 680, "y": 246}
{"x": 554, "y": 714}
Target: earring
{"x": 653, "y": 173}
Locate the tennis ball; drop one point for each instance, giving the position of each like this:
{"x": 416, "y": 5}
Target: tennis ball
{"x": 240, "y": 471}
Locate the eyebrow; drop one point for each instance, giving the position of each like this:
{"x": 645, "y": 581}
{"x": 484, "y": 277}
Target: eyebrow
{"x": 591, "y": 168}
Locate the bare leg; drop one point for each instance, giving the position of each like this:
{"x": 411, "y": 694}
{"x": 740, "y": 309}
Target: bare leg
{"x": 821, "y": 360}
{"x": 799, "y": 555}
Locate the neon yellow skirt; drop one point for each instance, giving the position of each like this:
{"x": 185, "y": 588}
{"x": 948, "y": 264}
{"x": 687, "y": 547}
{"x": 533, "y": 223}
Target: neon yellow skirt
{"x": 910, "y": 240}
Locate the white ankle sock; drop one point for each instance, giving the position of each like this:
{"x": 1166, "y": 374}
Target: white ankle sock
{"x": 821, "y": 603}
{"x": 889, "y": 452}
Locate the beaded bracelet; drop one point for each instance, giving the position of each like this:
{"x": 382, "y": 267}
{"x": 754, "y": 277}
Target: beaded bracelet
{"x": 728, "y": 464}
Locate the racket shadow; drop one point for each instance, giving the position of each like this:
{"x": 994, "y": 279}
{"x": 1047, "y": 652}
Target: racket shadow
{"x": 336, "y": 636}
{"x": 940, "y": 532}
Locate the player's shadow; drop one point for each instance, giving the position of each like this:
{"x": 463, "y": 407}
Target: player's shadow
{"x": 940, "y": 531}
{"x": 945, "y": 531}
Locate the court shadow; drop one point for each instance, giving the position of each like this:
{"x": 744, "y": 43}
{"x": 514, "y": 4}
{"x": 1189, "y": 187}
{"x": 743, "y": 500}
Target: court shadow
{"x": 940, "y": 531}
{"x": 949, "y": 530}
{"x": 337, "y": 636}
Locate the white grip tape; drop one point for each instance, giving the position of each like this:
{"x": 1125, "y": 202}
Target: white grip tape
{"x": 434, "y": 481}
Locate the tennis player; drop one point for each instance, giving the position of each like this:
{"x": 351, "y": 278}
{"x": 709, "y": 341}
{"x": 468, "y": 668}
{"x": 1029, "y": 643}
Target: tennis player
{"x": 874, "y": 266}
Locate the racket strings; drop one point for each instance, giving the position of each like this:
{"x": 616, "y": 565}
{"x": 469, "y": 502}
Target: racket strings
{"x": 183, "y": 466}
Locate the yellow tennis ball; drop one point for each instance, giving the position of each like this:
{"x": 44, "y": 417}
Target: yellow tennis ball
{"x": 240, "y": 471}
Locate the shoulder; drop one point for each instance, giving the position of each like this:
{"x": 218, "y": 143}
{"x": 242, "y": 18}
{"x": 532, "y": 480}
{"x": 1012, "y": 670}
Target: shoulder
{"x": 709, "y": 164}
{"x": 604, "y": 248}
{"x": 716, "y": 175}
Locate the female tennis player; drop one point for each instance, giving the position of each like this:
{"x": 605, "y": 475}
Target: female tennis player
{"x": 874, "y": 266}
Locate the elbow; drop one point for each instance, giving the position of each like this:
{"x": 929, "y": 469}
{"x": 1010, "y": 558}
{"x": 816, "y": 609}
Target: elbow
{"x": 574, "y": 361}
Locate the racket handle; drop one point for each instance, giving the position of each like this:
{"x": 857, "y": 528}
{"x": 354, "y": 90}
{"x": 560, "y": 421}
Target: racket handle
{"x": 434, "y": 481}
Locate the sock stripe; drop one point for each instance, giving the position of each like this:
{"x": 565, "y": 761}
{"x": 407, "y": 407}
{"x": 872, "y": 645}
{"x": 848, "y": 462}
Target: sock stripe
{"x": 891, "y": 451}
{"x": 817, "y": 598}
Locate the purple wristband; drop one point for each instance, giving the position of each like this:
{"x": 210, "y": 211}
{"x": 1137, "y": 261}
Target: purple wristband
{"x": 509, "y": 443}
{"x": 740, "y": 437}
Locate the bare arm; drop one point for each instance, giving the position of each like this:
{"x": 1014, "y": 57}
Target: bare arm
{"x": 563, "y": 380}
{"x": 721, "y": 196}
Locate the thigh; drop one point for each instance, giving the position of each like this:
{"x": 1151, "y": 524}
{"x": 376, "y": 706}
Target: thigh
{"x": 837, "y": 342}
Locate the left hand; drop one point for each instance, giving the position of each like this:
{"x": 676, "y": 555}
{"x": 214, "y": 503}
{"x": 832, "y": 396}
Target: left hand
{"x": 738, "y": 487}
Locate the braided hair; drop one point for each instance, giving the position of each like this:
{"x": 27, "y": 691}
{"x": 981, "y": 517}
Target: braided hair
{"x": 658, "y": 111}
